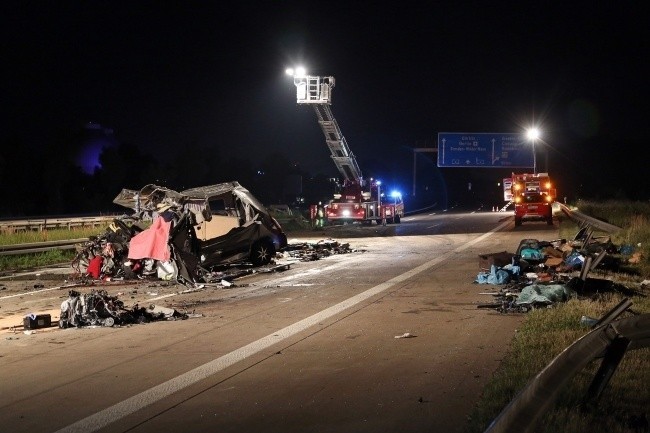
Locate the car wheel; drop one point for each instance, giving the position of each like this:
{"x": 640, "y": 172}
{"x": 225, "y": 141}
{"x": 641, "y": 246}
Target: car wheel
{"x": 517, "y": 222}
{"x": 397, "y": 219}
{"x": 549, "y": 221}
{"x": 262, "y": 252}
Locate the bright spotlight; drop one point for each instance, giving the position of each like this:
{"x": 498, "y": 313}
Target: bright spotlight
{"x": 396, "y": 194}
{"x": 533, "y": 134}
{"x": 299, "y": 72}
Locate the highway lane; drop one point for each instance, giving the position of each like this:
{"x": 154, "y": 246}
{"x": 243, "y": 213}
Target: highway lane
{"x": 309, "y": 349}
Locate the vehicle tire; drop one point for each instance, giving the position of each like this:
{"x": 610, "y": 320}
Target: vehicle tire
{"x": 397, "y": 219}
{"x": 549, "y": 221}
{"x": 378, "y": 221}
{"x": 262, "y": 252}
{"x": 517, "y": 222}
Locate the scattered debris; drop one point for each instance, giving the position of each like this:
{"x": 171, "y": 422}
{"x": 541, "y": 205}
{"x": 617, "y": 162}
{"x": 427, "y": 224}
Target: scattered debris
{"x": 406, "y": 335}
{"x": 98, "y": 308}
{"x": 541, "y": 273}
{"x": 309, "y": 251}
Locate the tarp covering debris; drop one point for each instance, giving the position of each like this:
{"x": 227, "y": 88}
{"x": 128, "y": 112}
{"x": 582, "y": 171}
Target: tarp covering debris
{"x": 151, "y": 243}
{"x": 544, "y": 294}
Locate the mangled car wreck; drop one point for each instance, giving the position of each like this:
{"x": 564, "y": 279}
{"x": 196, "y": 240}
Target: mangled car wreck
{"x": 183, "y": 235}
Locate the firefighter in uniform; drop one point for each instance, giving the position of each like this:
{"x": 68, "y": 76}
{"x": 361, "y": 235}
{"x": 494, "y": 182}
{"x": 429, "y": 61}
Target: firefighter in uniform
{"x": 320, "y": 215}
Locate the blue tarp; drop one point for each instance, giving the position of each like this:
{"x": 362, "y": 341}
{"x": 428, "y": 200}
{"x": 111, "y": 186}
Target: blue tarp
{"x": 497, "y": 275}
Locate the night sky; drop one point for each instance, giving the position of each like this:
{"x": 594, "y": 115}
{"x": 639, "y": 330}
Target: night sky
{"x": 171, "y": 75}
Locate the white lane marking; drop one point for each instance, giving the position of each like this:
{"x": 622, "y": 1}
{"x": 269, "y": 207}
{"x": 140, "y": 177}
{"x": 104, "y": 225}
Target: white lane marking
{"x": 34, "y": 292}
{"x": 130, "y": 405}
{"x": 162, "y": 297}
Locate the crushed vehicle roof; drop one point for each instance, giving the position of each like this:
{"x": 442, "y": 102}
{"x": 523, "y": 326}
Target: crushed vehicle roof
{"x": 152, "y": 194}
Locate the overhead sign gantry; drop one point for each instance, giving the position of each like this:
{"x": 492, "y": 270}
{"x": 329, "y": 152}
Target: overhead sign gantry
{"x": 486, "y": 150}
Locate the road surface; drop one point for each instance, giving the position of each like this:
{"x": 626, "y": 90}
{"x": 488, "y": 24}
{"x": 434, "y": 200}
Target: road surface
{"x": 314, "y": 348}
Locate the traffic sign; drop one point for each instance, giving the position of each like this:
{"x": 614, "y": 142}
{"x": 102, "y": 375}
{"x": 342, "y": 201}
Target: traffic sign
{"x": 485, "y": 150}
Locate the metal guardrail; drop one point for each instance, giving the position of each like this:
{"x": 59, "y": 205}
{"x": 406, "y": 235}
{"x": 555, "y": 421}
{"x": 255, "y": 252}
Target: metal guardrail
{"x": 585, "y": 219}
{"x": 39, "y": 247}
{"x": 609, "y": 341}
{"x": 41, "y": 224}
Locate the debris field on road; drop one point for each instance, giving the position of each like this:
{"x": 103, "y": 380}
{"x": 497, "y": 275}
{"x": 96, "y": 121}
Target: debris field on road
{"x": 542, "y": 273}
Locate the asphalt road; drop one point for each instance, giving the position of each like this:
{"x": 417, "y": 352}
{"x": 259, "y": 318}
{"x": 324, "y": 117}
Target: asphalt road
{"x": 311, "y": 349}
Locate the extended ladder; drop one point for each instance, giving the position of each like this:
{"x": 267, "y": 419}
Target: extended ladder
{"x": 317, "y": 91}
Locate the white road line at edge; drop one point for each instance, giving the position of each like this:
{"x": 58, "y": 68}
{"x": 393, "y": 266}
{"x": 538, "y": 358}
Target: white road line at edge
{"x": 120, "y": 410}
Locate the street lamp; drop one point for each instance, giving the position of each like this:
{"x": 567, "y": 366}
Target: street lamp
{"x": 533, "y": 136}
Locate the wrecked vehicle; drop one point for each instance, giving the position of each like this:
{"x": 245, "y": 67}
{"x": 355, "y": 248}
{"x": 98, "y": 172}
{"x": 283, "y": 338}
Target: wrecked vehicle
{"x": 191, "y": 232}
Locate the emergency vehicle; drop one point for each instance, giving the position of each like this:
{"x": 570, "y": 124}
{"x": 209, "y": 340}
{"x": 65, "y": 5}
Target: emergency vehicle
{"x": 357, "y": 199}
{"x": 533, "y": 196}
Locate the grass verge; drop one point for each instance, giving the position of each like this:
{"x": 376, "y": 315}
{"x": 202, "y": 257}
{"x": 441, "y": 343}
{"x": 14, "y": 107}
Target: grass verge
{"x": 546, "y": 333}
{"x": 34, "y": 260}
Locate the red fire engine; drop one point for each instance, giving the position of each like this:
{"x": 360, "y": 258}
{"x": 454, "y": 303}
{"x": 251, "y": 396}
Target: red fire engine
{"x": 357, "y": 199}
{"x": 533, "y": 196}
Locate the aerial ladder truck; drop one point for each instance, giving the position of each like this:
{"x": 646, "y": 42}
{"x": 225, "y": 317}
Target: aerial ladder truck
{"x": 357, "y": 199}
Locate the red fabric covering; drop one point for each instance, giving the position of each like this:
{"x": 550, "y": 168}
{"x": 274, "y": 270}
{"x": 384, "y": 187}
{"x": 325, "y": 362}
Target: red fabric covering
{"x": 152, "y": 242}
{"x": 95, "y": 267}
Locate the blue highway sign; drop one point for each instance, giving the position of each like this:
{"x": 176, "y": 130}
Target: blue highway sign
{"x": 487, "y": 150}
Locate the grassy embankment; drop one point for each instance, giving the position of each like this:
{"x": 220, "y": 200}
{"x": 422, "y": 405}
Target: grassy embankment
{"x": 28, "y": 261}
{"x": 623, "y": 406}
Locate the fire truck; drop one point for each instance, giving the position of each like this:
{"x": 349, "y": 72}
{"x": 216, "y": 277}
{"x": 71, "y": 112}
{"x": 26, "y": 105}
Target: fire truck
{"x": 533, "y": 196}
{"x": 356, "y": 199}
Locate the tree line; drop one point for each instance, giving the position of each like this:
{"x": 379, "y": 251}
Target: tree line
{"x": 48, "y": 180}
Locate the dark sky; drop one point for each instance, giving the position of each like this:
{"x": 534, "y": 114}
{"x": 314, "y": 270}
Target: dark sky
{"x": 170, "y": 75}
